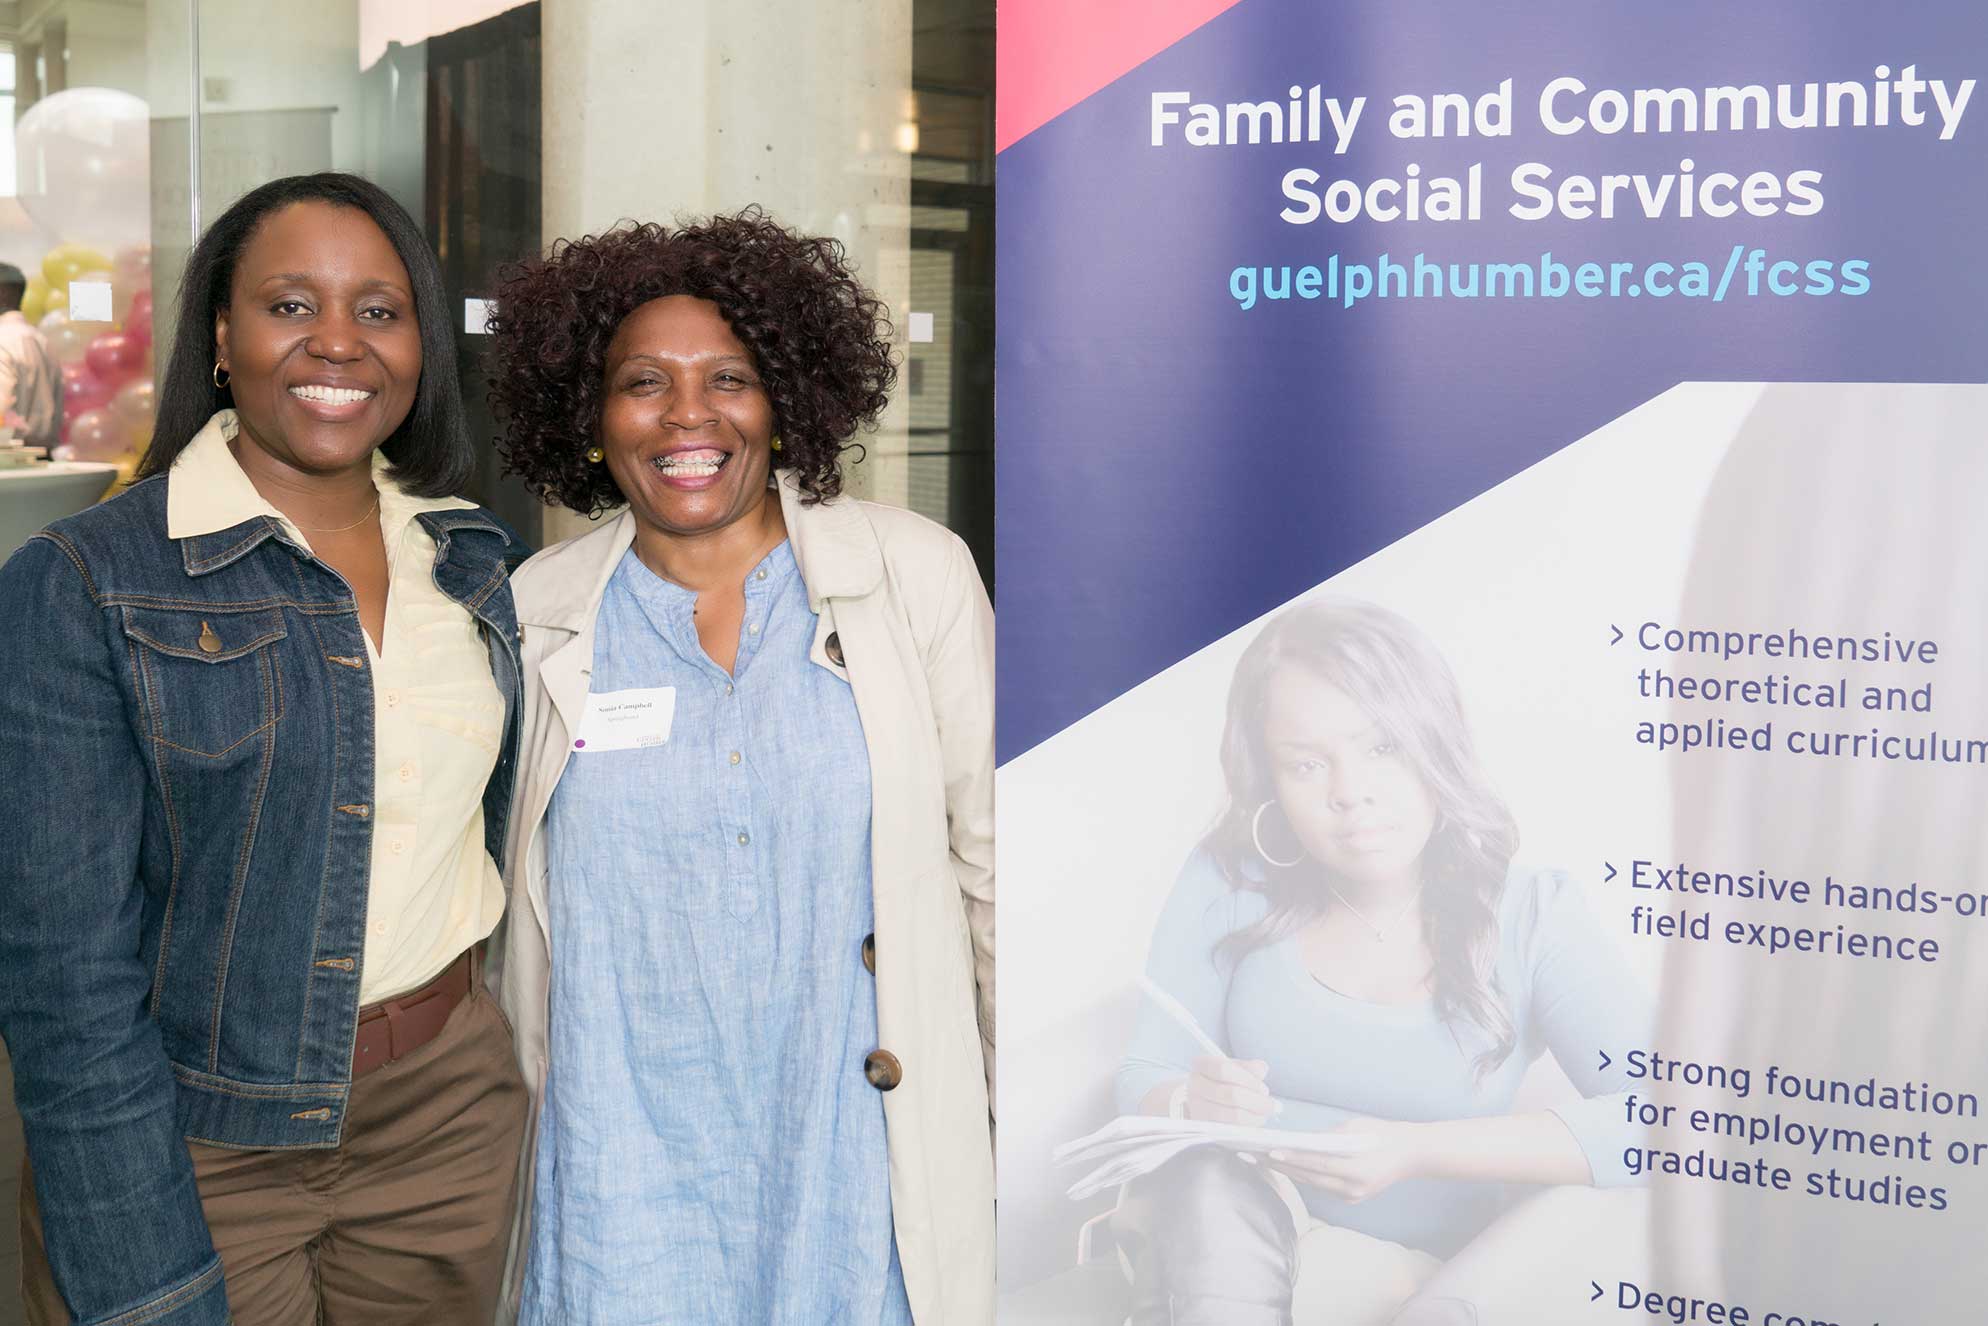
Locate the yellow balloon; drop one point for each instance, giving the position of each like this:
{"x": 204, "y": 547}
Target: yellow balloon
{"x": 56, "y": 300}
{"x": 65, "y": 262}
{"x": 34, "y": 303}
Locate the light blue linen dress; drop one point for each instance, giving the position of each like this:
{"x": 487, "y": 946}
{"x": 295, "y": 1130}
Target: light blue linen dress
{"x": 710, "y": 1151}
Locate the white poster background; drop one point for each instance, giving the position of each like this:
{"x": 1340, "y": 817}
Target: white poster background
{"x": 1520, "y": 590}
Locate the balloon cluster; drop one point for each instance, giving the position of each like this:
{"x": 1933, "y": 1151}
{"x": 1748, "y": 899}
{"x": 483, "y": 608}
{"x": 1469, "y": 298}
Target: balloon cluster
{"x": 85, "y": 172}
{"x": 107, "y": 401}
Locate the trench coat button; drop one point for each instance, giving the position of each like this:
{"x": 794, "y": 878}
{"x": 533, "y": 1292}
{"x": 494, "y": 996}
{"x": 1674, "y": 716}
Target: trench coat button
{"x": 883, "y": 1069}
{"x": 870, "y": 953}
{"x": 833, "y": 648}
{"x": 210, "y": 643}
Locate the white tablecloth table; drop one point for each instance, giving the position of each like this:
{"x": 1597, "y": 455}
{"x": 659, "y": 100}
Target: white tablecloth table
{"x": 34, "y": 497}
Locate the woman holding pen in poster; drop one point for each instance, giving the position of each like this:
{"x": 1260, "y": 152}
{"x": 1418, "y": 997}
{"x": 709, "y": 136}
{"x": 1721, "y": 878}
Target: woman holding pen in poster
{"x": 1351, "y": 950}
{"x": 753, "y": 843}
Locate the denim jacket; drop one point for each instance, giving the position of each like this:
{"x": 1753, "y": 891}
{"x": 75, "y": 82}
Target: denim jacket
{"x": 186, "y": 758}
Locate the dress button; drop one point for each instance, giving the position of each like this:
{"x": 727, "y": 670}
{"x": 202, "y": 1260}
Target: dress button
{"x": 883, "y": 1069}
{"x": 833, "y": 648}
{"x": 393, "y": 699}
{"x": 406, "y": 773}
{"x": 744, "y": 839}
{"x": 735, "y": 757}
{"x": 870, "y": 953}
{"x": 379, "y": 927}
{"x": 759, "y": 574}
{"x": 753, "y": 629}
{"x": 728, "y": 688}
{"x": 397, "y": 846}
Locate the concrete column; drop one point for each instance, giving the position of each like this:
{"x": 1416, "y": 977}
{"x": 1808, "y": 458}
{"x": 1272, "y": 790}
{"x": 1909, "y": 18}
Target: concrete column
{"x": 681, "y": 108}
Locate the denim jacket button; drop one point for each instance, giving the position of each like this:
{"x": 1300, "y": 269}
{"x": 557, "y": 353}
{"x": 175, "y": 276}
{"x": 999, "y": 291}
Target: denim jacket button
{"x": 210, "y": 643}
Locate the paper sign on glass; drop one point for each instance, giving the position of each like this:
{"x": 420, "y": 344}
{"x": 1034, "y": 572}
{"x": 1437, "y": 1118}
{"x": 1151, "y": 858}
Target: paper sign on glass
{"x": 626, "y": 720}
{"x": 89, "y": 301}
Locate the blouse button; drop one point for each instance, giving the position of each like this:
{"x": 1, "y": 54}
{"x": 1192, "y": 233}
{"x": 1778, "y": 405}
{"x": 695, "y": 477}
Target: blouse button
{"x": 883, "y": 1069}
{"x": 736, "y": 757}
{"x": 744, "y": 839}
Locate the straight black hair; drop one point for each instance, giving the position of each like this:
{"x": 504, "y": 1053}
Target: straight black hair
{"x": 430, "y": 451}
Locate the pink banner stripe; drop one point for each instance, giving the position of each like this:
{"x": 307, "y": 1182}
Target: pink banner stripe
{"x": 1051, "y": 54}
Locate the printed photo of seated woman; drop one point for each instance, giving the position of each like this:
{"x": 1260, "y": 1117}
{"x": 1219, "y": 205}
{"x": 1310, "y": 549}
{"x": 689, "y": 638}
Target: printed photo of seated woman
{"x": 1356, "y": 938}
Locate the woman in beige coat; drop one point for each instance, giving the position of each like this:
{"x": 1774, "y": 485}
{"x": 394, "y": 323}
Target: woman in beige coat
{"x": 751, "y": 954}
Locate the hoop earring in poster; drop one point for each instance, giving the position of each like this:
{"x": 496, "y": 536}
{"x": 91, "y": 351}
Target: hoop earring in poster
{"x": 1256, "y": 837}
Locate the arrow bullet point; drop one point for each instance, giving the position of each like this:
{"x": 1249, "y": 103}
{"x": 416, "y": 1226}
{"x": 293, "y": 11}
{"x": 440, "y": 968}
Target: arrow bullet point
{"x": 1605, "y": 1061}
{"x": 1597, "y": 1294}
{"x": 1612, "y": 872}
{"x": 1618, "y": 633}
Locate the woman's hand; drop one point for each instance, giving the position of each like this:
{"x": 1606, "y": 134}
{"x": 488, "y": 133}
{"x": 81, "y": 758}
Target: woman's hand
{"x": 1230, "y": 1091}
{"x": 1393, "y": 1152}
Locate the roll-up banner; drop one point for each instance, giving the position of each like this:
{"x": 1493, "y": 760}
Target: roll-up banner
{"x": 1493, "y": 662}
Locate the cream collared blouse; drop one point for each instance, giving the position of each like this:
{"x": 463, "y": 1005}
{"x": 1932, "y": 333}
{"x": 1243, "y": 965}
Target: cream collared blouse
{"x": 438, "y": 720}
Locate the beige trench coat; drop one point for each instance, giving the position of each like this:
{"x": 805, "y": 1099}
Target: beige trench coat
{"x": 916, "y": 633}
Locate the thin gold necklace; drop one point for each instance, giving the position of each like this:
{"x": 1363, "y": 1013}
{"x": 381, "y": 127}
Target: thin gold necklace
{"x": 313, "y": 529}
{"x": 1380, "y": 932}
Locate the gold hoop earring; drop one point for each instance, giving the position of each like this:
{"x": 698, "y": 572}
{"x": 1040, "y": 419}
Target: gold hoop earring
{"x": 1256, "y": 837}
{"x": 222, "y": 377}
{"x": 595, "y": 455}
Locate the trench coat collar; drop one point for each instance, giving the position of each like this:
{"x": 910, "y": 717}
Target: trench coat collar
{"x": 834, "y": 545}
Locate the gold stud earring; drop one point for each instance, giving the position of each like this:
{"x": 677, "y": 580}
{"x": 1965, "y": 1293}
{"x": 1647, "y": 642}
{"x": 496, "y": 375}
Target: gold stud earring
{"x": 776, "y": 443}
{"x": 594, "y": 455}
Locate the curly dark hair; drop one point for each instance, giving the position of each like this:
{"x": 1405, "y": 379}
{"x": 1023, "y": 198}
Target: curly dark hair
{"x": 820, "y": 340}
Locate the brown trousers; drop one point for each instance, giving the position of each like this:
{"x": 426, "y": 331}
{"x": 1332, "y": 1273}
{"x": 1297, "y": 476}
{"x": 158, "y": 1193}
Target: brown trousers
{"x": 407, "y": 1222}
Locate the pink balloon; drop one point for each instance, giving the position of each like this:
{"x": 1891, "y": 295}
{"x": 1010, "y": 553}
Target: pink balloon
{"x": 133, "y": 403}
{"x": 82, "y": 391}
{"x": 95, "y": 435}
{"x": 132, "y": 264}
{"x": 138, "y": 322}
{"x": 115, "y": 358}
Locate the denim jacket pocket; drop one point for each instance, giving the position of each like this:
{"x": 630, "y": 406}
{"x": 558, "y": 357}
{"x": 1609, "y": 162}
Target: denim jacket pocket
{"x": 208, "y": 677}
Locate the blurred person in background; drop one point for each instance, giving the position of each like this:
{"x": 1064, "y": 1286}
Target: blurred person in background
{"x": 276, "y": 694}
{"x": 751, "y": 957}
{"x": 30, "y": 379}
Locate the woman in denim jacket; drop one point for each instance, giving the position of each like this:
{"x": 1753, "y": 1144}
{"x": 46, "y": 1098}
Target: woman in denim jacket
{"x": 268, "y": 745}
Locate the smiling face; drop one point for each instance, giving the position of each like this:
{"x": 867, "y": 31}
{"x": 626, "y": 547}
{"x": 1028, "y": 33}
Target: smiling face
{"x": 319, "y": 338}
{"x": 686, "y": 421}
{"x": 1355, "y": 803}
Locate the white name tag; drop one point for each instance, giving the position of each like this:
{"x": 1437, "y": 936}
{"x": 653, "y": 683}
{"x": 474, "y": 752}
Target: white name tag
{"x": 626, "y": 720}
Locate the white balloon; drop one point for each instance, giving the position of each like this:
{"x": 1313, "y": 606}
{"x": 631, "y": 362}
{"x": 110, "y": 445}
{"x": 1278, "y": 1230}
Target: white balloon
{"x": 84, "y": 161}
